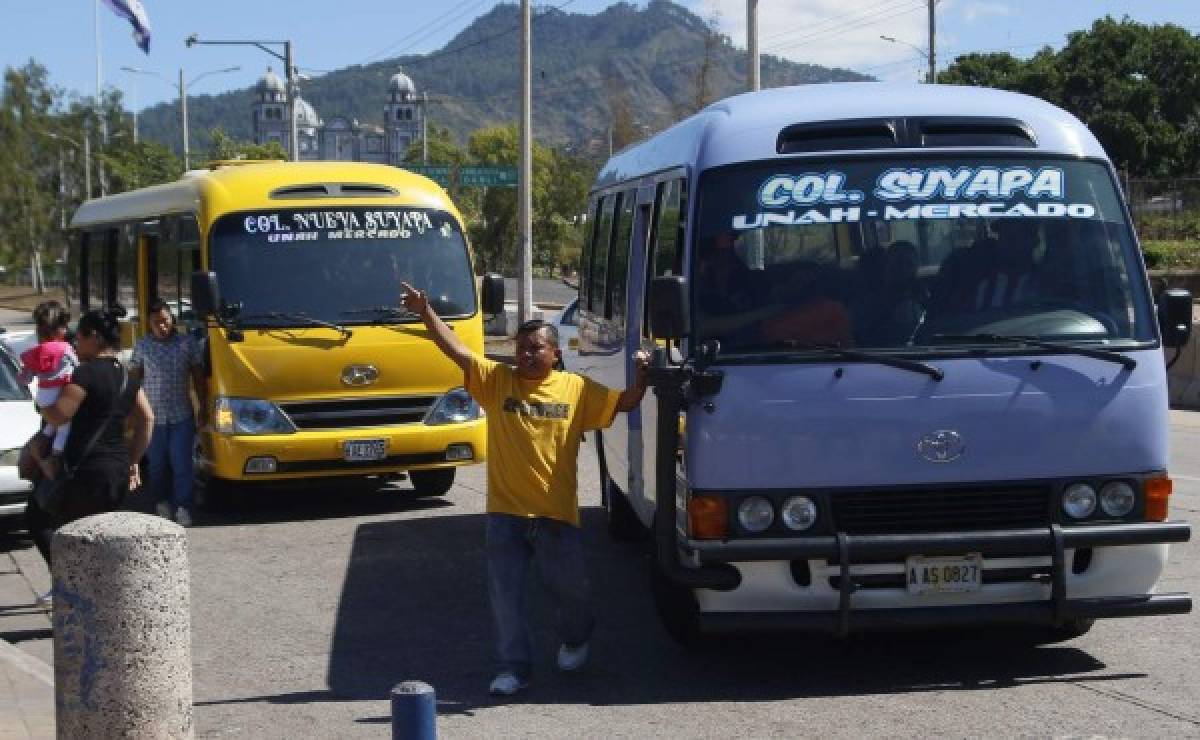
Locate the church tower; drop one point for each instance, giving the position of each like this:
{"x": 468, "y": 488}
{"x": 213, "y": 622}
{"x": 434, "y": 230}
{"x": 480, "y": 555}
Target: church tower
{"x": 403, "y": 117}
{"x": 270, "y": 110}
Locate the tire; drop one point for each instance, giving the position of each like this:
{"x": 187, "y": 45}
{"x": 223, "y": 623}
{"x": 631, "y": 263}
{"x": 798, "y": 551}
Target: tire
{"x": 1068, "y": 630}
{"x": 214, "y": 494}
{"x": 678, "y": 610}
{"x": 432, "y": 482}
{"x": 623, "y": 522}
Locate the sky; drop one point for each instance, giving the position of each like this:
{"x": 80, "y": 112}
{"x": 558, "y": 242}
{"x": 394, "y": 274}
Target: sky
{"x": 60, "y": 34}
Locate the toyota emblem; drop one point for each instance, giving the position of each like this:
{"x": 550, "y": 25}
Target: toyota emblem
{"x": 942, "y": 446}
{"x": 357, "y": 376}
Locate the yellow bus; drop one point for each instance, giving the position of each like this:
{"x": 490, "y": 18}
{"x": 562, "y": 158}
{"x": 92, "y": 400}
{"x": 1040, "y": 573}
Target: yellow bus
{"x": 290, "y": 273}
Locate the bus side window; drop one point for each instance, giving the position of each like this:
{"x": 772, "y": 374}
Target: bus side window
{"x": 127, "y": 270}
{"x": 618, "y": 264}
{"x": 585, "y": 258}
{"x": 597, "y": 280}
{"x": 97, "y": 277}
{"x": 670, "y": 204}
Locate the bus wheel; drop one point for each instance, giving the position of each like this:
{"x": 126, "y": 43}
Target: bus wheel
{"x": 214, "y": 494}
{"x": 1068, "y": 630}
{"x": 432, "y": 482}
{"x": 623, "y": 523}
{"x": 677, "y": 608}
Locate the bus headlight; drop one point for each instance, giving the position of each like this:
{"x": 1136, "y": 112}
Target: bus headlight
{"x": 1117, "y": 498}
{"x": 755, "y": 514}
{"x": 798, "y": 513}
{"x": 1079, "y": 500}
{"x": 249, "y": 416}
{"x": 455, "y": 407}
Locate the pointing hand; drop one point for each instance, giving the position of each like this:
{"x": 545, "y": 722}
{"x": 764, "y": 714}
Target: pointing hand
{"x": 414, "y": 300}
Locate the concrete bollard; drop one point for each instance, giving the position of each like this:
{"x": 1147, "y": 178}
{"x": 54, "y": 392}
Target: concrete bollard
{"x": 414, "y": 711}
{"x": 122, "y": 628}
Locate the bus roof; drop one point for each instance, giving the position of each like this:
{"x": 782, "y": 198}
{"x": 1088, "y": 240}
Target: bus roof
{"x": 746, "y": 127}
{"x": 250, "y": 185}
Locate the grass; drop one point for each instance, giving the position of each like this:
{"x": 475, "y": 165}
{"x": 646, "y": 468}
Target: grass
{"x": 1171, "y": 254}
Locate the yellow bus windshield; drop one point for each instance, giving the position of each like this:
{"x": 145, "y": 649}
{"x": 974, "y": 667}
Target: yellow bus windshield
{"x": 339, "y": 264}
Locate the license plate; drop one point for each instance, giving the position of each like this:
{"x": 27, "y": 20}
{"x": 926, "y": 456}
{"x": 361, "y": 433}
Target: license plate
{"x": 944, "y": 574}
{"x": 361, "y": 450}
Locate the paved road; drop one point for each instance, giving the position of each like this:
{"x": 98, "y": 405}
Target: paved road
{"x": 307, "y": 608}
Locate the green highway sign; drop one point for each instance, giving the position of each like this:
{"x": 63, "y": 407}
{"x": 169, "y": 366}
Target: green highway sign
{"x": 439, "y": 173}
{"x": 471, "y": 176}
{"x": 488, "y": 177}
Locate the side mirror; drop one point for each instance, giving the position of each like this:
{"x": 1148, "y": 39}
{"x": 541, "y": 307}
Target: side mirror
{"x": 670, "y": 313}
{"x": 206, "y": 294}
{"x": 493, "y": 293}
{"x": 1175, "y": 316}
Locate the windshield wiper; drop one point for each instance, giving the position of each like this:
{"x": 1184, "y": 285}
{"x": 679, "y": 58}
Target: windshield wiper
{"x": 879, "y": 359}
{"x": 303, "y": 318}
{"x": 383, "y": 312}
{"x": 1097, "y": 354}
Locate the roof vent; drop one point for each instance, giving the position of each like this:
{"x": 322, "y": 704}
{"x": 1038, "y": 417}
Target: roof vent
{"x": 962, "y": 132}
{"x": 828, "y": 136}
{"x": 333, "y": 190}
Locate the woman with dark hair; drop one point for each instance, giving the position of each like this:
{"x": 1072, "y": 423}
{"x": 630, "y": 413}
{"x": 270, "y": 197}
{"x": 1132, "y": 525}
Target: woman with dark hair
{"x": 99, "y": 402}
{"x": 164, "y": 360}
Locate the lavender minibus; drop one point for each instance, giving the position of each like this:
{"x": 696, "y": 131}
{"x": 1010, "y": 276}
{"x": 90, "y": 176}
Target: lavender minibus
{"x": 909, "y": 368}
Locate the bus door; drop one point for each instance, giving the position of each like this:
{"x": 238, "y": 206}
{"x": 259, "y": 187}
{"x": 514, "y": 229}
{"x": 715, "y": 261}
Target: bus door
{"x": 635, "y": 312}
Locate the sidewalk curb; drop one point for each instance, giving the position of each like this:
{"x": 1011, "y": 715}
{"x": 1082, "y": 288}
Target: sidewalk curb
{"x": 26, "y": 663}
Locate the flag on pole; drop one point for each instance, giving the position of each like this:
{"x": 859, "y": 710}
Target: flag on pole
{"x": 132, "y": 11}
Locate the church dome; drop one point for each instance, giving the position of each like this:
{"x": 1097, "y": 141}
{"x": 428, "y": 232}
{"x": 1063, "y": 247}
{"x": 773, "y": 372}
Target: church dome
{"x": 401, "y": 83}
{"x": 271, "y": 83}
{"x": 306, "y": 115}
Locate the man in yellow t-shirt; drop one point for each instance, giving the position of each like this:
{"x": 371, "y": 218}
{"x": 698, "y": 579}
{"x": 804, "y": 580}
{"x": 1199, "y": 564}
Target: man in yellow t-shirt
{"x": 536, "y": 418}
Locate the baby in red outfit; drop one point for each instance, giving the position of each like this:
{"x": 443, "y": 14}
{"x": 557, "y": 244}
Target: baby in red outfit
{"x": 51, "y": 362}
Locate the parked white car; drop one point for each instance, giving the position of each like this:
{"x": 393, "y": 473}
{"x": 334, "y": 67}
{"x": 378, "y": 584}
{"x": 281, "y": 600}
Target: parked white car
{"x": 20, "y": 421}
{"x": 567, "y": 324}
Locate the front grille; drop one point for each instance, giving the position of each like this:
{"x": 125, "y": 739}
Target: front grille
{"x": 954, "y": 510}
{"x": 358, "y": 412}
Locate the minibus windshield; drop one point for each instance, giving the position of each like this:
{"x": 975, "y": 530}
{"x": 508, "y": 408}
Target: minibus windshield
{"x": 340, "y": 265}
{"x": 916, "y": 255}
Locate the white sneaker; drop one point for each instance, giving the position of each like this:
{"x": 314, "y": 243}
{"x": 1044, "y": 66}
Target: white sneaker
{"x": 163, "y": 509}
{"x": 183, "y": 517}
{"x": 506, "y": 684}
{"x": 572, "y": 658}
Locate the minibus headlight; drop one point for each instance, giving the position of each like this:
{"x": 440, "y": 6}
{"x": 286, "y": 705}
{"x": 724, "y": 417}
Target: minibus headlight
{"x": 455, "y": 407}
{"x": 755, "y": 513}
{"x": 798, "y": 513}
{"x": 249, "y": 416}
{"x": 1079, "y": 500}
{"x": 1117, "y": 498}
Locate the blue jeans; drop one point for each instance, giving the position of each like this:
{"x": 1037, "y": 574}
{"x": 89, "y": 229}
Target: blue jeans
{"x": 170, "y": 452}
{"x": 513, "y": 543}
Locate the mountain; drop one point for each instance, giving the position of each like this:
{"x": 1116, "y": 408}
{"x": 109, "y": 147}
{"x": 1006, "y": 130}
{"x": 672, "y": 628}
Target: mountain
{"x": 659, "y": 63}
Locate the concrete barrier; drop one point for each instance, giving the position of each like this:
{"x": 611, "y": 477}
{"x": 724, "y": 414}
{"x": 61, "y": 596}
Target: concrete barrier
{"x": 122, "y": 628}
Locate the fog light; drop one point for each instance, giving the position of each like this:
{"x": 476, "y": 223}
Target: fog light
{"x": 1117, "y": 498}
{"x": 755, "y": 514}
{"x": 261, "y": 465}
{"x": 798, "y": 513}
{"x": 1079, "y": 500}
{"x": 459, "y": 452}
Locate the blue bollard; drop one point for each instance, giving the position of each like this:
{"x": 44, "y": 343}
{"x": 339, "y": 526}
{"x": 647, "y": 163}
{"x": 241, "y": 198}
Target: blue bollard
{"x": 414, "y": 711}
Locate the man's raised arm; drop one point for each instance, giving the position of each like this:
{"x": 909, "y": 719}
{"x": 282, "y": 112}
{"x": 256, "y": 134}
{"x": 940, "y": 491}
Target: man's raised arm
{"x": 443, "y": 336}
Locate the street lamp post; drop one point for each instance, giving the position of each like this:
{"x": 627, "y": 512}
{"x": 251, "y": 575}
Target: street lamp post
{"x": 289, "y": 65}
{"x": 181, "y": 87}
{"x": 87, "y": 156}
{"x": 927, "y": 53}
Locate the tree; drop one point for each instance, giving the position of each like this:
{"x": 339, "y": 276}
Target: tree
{"x": 559, "y": 191}
{"x": 225, "y": 147}
{"x": 1136, "y": 87}
{"x": 29, "y": 168}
